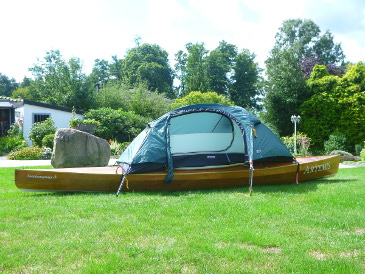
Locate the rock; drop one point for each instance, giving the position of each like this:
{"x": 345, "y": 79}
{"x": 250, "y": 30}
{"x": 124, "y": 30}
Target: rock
{"x": 74, "y": 148}
{"x": 345, "y": 156}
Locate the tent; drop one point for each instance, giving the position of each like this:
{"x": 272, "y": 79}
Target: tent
{"x": 202, "y": 135}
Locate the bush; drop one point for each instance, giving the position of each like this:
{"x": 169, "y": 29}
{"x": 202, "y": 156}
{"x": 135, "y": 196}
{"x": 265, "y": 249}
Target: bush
{"x": 362, "y": 154}
{"x": 303, "y": 143}
{"x": 117, "y": 125}
{"x": 197, "y": 97}
{"x": 117, "y": 149}
{"x": 15, "y": 131}
{"x": 13, "y": 140}
{"x": 41, "y": 129}
{"x": 27, "y": 153}
{"x": 138, "y": 99}
{"x": 358, "y": 149}
{"x": 336, "y": 141}
{"x": 48, "y": 141}
{"x": 9, "y": 143}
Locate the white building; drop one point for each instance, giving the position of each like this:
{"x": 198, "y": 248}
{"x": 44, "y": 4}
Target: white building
{"x": 26, "y": 112}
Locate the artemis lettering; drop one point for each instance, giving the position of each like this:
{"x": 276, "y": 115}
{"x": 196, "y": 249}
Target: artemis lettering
{"x": 318, "y": 168}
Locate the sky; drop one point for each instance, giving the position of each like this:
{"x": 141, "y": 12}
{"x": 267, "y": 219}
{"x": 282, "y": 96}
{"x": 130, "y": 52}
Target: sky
{"x": 99, "y": 29}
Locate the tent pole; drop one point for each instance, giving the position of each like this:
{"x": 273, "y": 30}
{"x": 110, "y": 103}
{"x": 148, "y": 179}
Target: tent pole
{"x": 121, "y": 184}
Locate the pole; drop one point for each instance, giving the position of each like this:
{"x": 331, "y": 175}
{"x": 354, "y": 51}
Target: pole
{"x": 295, "y": 120}
{"x": 295, "y": 137}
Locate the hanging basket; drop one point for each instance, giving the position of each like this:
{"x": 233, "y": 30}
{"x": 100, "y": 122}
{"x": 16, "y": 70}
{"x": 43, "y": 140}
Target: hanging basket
{"x": 89, "y": 128}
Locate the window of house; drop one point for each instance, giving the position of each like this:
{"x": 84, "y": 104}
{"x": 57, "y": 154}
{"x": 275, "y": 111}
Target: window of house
{"x": 40, "y": 117}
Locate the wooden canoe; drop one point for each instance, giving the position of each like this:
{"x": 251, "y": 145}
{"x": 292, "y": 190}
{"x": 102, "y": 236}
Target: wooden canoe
{"x": 107, "y": 179}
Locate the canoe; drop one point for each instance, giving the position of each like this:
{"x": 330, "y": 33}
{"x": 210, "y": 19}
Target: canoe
{"x": 108, "y": 179}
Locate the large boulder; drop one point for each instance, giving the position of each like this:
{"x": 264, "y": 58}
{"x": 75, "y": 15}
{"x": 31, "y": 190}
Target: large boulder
{"x": 345, "y": 156}
{"x": 74, "y": 148}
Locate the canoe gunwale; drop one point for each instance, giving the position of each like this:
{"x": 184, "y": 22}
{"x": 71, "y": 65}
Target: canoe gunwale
{"x": 106, "y": 179}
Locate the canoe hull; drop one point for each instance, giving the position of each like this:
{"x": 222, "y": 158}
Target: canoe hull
{"x": 107, "y": 179}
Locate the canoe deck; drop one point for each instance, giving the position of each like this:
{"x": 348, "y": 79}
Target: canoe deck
{"x": 107, "y": 179}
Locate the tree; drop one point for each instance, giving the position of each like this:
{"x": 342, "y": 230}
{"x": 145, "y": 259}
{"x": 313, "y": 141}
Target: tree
{"x": 59, "y": 82}
{"x": 285, "y": 91}
{"x": 191, "y": 67}
{"x": 218, "y": 65}
{"x": 139, "y": 99}
{"x": 337, "y": 104}
{"x": 307, "y": 64}
{"x": 100, "y": 74}
{"x": 180, "y": 71}
{"x": 245, "y": 89}
{"x": 116, "y": 124}
{"x": 7, "y": 85}
{"x": 148, "y": 64}
{"x": 285, "y": 87}
{"x": 197, "y": 97}
{"x": 115, "y": 68}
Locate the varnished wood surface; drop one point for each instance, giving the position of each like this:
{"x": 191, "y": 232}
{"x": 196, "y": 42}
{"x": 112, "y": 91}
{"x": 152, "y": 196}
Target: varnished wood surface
{"x": 107, "y": 179}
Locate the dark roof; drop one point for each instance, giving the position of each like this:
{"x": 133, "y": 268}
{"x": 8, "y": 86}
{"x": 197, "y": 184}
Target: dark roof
{"x": 18, "y": 103}
{"x": 45, "y": 105}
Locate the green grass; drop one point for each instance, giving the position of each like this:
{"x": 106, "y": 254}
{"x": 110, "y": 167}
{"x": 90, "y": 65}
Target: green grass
{"x": 316, "y": 227}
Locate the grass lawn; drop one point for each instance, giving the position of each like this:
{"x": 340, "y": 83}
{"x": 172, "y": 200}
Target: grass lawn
{"x": 317, "y": 227}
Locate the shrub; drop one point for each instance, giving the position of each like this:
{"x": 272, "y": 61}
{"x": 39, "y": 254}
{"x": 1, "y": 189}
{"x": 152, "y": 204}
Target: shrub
{"x": 27, "y": 153}
{"x": 74, "y": 122}
{"x": 336, "y": 141}
{"x": 48, "y": 141}
{"x": 302, "y": 142}
{"x": 15, "y": 131}
{"x": 138, "y": 99}
{"x": 8, "y": 143}
{"x": 358, "y": 149}
{"x": 122, "y": 126}
{"x": 197, "y": 97}
{"x": 13, "y": 140}
{"x": 41, "y": 129}
{"x": 117, "y": 149}
{"x": 47, "y": 153}
{"x": 362, "y": 154}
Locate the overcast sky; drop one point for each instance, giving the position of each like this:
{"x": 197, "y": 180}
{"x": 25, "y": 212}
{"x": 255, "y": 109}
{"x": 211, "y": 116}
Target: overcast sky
{"x": 91, "y": 29}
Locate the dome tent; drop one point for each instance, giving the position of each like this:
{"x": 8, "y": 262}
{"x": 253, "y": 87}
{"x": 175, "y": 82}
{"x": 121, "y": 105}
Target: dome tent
{"x": 202, "y": 135}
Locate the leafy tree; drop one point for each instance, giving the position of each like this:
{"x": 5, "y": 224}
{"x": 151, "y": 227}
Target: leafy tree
{"x": 285, "y": 87}
{"x": 59, "y": 82}
{"x": 180, "y": 71}
{"x": 307, "y": 65}
{"x": 148, "y": 64}
{"x": 115, "y": 68}
{"x": 20, "y": 93}
{"x": 25, "y": 83}
{"x": 285, "y": 91}
{"x": 100, "y": 74}
{"x": 7, "y": 85}
{"x": 337, "y": 104}
{"x": 139, "y": 99}
{"x": 245, "y": 88}
{"x": 218, "y": 65}
{"x": 191, "y": 67}
{"x": 116, "y": 124}
{"x": 197, "y": 97}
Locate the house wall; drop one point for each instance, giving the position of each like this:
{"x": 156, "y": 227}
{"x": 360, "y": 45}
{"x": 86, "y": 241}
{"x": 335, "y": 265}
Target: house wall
{"x": 26, "y": 113}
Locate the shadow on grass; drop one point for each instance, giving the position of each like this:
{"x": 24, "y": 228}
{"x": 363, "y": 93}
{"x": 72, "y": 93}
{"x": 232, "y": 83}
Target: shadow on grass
{"x": 303, "y": 187}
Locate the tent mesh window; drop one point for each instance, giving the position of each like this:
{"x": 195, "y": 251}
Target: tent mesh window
{"x": 205, "y": 138}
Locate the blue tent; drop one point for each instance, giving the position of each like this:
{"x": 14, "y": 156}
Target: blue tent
{"x": 202, "y": 135}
